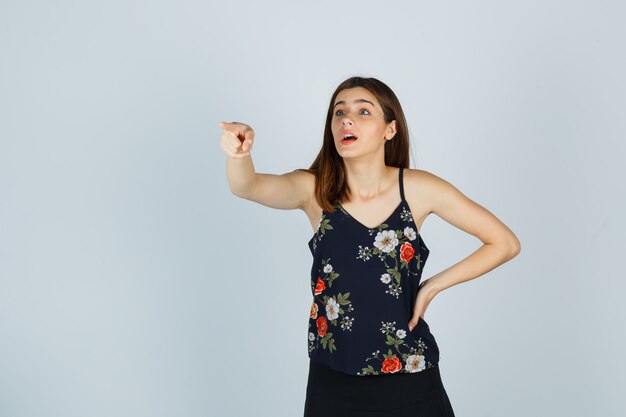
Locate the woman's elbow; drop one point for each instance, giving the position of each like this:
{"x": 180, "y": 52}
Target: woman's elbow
{"x": 515, "y": 247}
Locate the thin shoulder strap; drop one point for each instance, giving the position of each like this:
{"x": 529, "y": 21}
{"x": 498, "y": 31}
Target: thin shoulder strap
{"x": 401, "y": 184}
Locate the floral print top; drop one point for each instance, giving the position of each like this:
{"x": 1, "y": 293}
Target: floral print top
{"x": 364, "y": 283}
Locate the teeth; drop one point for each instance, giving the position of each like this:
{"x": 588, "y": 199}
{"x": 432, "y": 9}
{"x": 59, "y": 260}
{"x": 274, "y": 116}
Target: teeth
{"x": 348, "y": 136}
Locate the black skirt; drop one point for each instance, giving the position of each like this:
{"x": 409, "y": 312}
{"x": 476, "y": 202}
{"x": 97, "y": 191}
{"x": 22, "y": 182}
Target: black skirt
{"x": 331, "y": 393}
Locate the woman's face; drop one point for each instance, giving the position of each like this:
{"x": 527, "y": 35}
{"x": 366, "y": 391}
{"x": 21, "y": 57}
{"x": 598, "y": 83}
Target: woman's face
{"x": 357, "y": 111}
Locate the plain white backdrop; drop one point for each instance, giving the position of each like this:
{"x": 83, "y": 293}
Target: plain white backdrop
{"x": 133, "y": 283}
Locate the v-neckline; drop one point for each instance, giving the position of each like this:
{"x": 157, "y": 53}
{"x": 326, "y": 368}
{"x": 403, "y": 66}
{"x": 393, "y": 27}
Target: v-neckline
{"x": 377, "y": 226}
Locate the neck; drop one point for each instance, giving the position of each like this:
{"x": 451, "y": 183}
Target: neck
{"x": 368, "y": 182}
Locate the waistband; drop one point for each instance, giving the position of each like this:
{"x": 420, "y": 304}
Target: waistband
{"x": 376, "y": 392}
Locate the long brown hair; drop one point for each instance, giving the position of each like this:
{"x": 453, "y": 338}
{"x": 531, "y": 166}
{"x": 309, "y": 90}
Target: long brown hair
{"x": 328, "y": 167}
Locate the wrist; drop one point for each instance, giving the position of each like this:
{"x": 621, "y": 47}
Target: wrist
{"x": 431, "y": 287}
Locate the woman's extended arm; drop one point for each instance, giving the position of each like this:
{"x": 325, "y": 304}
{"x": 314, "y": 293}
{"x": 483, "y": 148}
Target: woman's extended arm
{"x": 287, "y": 191}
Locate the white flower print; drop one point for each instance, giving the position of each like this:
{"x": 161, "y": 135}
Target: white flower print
{"x": 406, "y": 215}
{"x": 386, "y": 241}
{"x": 394, "y": 289}
{"x": 311, "y": 336}
{"x": 364, "y": 253}
{"x": 385, "y": 278}
{"x": 415, "y": 363}
{"x": 346, "y": 323}
{"x": 332, "y": 309}
{"x": 401, "y": 333}
{"x": 388, "y": 326}
{"x": 410, "y": 233}
{"x": 328, "y": 268}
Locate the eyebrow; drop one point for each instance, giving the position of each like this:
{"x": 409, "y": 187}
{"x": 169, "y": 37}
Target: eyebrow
{"x": 358, "y": 100}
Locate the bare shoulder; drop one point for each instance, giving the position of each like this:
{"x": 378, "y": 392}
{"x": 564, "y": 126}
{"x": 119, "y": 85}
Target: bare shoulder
{"x": 305, "y": 181}
{"x": 303, "y": 178}
{"x": 426, "y": 188}
{"x": 450, "y": 204}
{"x": 421, "y": 176}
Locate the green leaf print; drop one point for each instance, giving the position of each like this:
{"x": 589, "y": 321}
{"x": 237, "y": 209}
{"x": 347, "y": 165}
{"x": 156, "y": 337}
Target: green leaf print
{"x": 328, "y": 340}
{"x": 342, "y": 299}
{"x": 369, "y": 371}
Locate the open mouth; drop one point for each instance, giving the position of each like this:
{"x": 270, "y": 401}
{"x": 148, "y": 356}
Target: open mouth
{"x": 348, "y": 139}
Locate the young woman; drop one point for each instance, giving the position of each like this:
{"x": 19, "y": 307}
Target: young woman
{"x": 369, "y": 347}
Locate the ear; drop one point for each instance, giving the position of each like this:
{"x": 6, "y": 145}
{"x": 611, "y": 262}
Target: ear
{"x": 391, "y": 130}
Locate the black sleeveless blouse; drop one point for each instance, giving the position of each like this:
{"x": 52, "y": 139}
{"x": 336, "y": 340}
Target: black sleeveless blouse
{"x": 364, "y": 283}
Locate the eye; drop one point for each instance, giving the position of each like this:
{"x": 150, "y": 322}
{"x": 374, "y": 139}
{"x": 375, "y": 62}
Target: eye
{"x": 337, "y": 112}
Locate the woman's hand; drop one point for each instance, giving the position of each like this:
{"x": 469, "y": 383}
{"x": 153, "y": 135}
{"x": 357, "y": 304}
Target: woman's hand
{"x": 237, "y": 139}
{"x": 425, "y": 293}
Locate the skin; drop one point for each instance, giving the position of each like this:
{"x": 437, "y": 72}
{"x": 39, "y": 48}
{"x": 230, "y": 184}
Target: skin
{"x": 375, "y": 192}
